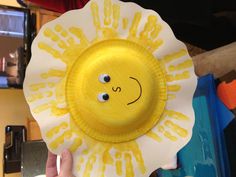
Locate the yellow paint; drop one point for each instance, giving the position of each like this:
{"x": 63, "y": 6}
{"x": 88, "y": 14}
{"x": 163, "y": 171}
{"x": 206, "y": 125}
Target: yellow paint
{"x": 107, "y": 12}
{"x": 54, "y": 37}
{"x": 181, "y": 66}
{"x": 119, "y": 167}
{"x": 106, "y": 32}
{"x": 60, "y": 140}
{"x": 154, "y": 136}
{"x": 174, "y": 56}
{"x": 181, "y": 76}
{"x": 60, "y": 92}
{"x": 167, "y": 134}
{"x": 64, "y": 33}
{"x": 78, "y": 167}
{"x": 156, "y": 31}
{"x": 58, "y": 28}
{"x": 138, "y": 156}
{"x": 85, "y": 152}
{"x": 173, "y": 88}
{"x": 176, "y": 115}
{"x": 55, "y": 130}
{"x": 118, "y": 155}
{"x": 48, "y": 94}
{"x": 56, "y": 111}
{"x": 177, "y": 129}
{"x": 89, "y": 166}
{"x": 71, "y": 49}
{"x": 116, "y": 16}
{"x": 50, "y": 34}
{"x": 41, "y": 108}
{"x": 53, "y": 73}
{"x": 129, "y": 166}
{"x": 125, "y": 23}
{"x": 102, "y": 170}
{"x": 49, "y": 49}
{"x": 71, "y": 41}
{"x": 146, "y": 37}
{"x": 37, "y": 87}
{"x": 35, "y": 97}
{"x": 79, "y": 163}
{"x": 171, "y": 96}
{"x": 124, "y": 152}
{"x": 107, "y": 159}
{"x": 51, "y": 84}
{"x": 134, "y": 27}
{"x": 155, "y": 45}
{"x": 148, "y": 28}
{"x": 80, "y": 35}
{"x": 152, "y": 19}
{"x": 76, "y": 144}
{"x": 81, "y": 160}
{"x": 94, "y": 10}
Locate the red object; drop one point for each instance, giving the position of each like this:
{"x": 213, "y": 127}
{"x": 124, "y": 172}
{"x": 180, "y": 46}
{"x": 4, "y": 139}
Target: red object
{"x": 227, "y": 93}
{"x": 60, "y": 5}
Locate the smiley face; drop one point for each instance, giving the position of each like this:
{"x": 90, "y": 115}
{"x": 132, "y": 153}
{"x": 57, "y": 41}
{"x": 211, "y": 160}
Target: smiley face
{"x": 105, "y": 78}
{"x": 116, "y": 86}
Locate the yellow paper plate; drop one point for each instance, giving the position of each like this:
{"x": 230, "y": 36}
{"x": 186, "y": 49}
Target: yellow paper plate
{"x": 113, "y": 84}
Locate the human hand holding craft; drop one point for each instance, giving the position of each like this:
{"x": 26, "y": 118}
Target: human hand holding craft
{"x": 66, "y": 165}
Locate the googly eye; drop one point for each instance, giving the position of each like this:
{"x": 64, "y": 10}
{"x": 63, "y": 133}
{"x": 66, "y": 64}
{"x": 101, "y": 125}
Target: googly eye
{"x": 104, "y": 78}
{"x": 102, "y": 97}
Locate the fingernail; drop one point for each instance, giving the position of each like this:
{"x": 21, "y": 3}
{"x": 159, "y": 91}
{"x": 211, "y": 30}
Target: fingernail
{"x": 64, "y": 153}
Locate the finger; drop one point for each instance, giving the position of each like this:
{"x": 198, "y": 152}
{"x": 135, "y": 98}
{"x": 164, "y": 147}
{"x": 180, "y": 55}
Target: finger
{"x": 51, "y": 165}
{"x": 66, "y": 163}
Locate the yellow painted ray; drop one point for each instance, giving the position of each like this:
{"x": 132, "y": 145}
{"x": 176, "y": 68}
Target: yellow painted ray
{"x": 175, "y": 115}
{"x": 70, "y": 49}
{"x": 171, "y": 96}
{"x": 111, "y": 16}
{"x": 174, "y": 56}
{"x": 39, "y": 95}
{"x": 53, "y": 73}
{"x": 37, "y": 86}
{"x": 169, "y": 129}
{"x": 174, "y": 88}
{"x": 176, "y": 128}
{"x": 177, "y": 77}
{"x": 124, "y": 153}
{"x": 181, "y": 66}
{"x": 166, "y": 133}
{"x": 129, "y": 172}
{"x": 89, "y": 165}
{"x": 148, "y": 36}
{"x": 125, "y": 23}
{"x": 154, "y": 136}
{"x": 119, "y": 170}
{"x": 56, "y": 129}
{"x": 60, "y": 140}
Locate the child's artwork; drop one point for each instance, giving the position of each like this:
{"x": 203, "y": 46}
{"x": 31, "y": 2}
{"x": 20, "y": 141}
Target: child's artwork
{"x": 111, "y": 83}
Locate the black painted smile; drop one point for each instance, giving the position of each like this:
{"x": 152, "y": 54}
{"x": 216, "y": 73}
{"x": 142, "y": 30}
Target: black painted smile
{"x": 140, "y": 93}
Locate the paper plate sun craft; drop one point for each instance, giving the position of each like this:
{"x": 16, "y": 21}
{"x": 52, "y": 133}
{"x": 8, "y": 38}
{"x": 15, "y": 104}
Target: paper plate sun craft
{"x": 111, "y": 83}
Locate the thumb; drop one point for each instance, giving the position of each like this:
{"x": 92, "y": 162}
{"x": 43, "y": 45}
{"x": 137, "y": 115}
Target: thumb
{"x": 66, "y": 164}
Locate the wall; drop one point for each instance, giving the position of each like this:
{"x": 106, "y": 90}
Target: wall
{"x": 13, "y": 111}
{"x": 13, "y": 108}
{"x": 9, "y": 3}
